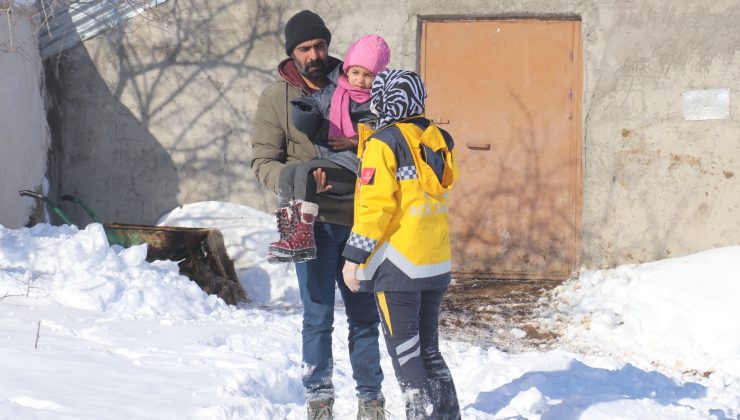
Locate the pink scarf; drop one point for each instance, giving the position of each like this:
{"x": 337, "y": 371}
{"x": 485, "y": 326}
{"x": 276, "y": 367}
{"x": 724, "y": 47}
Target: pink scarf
{"x": 340, "y": 124}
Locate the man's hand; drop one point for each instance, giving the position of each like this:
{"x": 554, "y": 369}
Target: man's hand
{"x": 349, "y": 272}
{"x": 342, "y": 143}
{"x": 320, "y": 176}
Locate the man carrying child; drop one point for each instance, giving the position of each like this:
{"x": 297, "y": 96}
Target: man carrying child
{"x": 276, "y": 145}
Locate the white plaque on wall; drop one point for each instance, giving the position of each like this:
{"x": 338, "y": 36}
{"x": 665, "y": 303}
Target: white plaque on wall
{"x": 708, "y": 104}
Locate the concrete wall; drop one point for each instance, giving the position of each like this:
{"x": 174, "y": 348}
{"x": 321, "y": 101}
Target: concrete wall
{"x": 24, "y": 138}
{"x": 158, "y": 113}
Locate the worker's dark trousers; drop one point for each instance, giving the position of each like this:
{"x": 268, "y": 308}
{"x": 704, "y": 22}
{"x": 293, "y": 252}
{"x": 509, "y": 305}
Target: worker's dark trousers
{"x": 411, "y": 328}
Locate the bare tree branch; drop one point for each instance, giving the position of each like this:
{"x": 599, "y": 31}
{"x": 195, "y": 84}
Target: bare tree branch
{"x": 38, "y": 334}
{"x": 27, "y": 282}
{"x": 43, "y": 12}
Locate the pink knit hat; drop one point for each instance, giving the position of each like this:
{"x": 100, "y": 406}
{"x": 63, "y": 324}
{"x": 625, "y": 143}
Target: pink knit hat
{"x": 370, "y": 52}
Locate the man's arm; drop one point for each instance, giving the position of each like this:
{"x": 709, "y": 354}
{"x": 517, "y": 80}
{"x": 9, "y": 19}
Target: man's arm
{"x": 306, "y": 116}
{"x": 269, "y": 148}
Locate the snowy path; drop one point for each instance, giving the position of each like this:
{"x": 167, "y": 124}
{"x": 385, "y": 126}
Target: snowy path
{"x": 122, "y": 339}
{"x": 245, "y": 364}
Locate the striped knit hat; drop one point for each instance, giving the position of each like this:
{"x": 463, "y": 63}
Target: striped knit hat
{"x": 397, "y": 94}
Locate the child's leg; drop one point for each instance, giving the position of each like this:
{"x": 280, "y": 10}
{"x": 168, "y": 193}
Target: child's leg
{"x": 342, "y": 181}
{"x": 298, "y": 208}
{"x": 294, "y": 220}
{"x": 303, "y": 183}
{"x": 286, "y": 185}
{"x": 297, "y": 181}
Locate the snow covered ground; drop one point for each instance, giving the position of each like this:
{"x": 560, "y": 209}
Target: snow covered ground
{"x": 93, "y": 332}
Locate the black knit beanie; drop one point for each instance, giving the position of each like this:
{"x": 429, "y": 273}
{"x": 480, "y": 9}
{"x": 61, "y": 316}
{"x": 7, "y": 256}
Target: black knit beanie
{"x": 303, "y": 26}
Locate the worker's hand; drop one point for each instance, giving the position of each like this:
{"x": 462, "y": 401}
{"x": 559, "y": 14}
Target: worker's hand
{"x": 342, "y": 143}
{"x": 349, "y": 272}
{"x": 320, "y": 176}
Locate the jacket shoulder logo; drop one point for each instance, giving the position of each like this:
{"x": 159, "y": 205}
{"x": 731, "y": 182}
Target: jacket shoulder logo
{"x": 367, "y": 177}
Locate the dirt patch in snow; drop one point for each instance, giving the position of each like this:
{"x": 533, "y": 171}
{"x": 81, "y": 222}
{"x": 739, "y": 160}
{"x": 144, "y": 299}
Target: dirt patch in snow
{"x": 502, "y": 313}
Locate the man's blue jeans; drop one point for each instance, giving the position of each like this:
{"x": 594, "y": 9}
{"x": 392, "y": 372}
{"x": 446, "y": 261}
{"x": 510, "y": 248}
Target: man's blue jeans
{"x": 316, "y": 281}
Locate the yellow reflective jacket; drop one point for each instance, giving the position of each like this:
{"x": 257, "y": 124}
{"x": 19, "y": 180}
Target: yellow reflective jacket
{"x": 400, "y": 234}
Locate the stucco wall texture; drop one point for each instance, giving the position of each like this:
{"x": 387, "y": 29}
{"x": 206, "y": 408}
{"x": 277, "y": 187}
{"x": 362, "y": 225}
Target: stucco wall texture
{"x": 158, "y": 113}
{"x": 24, "y": 138}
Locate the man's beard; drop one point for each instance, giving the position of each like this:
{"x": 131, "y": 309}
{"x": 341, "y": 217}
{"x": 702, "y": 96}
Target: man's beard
{"x": 313, "y": 69}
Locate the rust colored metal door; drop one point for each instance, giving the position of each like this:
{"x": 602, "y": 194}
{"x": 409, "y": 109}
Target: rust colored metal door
{"x": 509, "y": 92}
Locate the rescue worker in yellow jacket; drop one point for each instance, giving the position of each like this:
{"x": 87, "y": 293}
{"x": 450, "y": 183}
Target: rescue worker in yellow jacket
{"x": 399, "y": 247}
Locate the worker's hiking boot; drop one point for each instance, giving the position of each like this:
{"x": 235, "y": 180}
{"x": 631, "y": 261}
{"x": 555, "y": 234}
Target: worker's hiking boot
{"x": 295, "y": 226}
{"x": 320, "y": 410}
{"x": 371, "y": 410}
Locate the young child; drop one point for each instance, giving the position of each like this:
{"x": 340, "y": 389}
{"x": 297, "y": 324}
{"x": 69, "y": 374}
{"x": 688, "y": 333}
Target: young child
{"x": 399, "y": 247}
{"x": 329, "y": 118}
